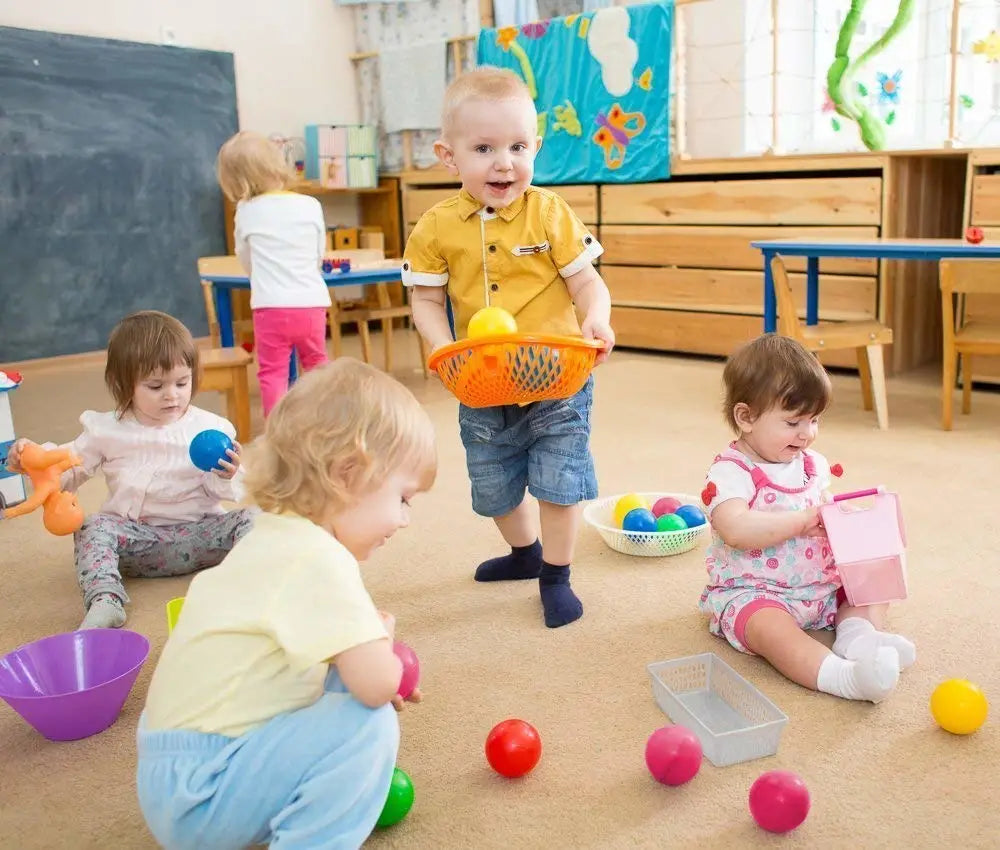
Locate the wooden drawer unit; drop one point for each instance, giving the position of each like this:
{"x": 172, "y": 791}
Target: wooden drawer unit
{"x": 417, "y": 201}
{"x": 695, "y": 333}
{"x": 723, "y": 291}
{"x": 984, "y": 212}
{"x": 797, "y": 201}
{"x": 719, "y": 247}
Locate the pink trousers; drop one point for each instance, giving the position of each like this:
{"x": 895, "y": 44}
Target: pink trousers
{"x": 277, "y": 332}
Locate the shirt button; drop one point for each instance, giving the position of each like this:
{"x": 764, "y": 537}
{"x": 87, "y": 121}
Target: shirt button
{"x": 495, "y": 287}
{"x": 493, "y": 249}
{"x": 490, "y": 210}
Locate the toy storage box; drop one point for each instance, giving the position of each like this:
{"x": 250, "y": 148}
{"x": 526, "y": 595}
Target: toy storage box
{"x": 344, "y": 156}
{"x": 869, "y": 546}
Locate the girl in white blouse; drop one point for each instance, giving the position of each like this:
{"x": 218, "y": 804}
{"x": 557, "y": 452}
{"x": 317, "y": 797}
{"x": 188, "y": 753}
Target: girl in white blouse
{"x": 162, "y": 515}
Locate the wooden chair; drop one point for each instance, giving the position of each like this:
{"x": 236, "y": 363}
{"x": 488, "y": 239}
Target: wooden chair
{"x": 865, "y": 337}
{"x": 226, "y": 265}
{"x": 225, "y": 370}
{"x": 362, "y": 314}
{"x": 968, "y": 335}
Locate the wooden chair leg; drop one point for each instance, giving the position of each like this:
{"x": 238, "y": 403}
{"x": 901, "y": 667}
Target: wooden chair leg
{"x": 366, "y": 341}
{"x": 864, "y": 373}
{"x": 947, "y": 385}
{"x": 238, "y": 404}
{"x": 876, "y": 367}
{"x": 387, "y": 340}
{"x": 966, "y": 384}
{"x": 333, "y": 316}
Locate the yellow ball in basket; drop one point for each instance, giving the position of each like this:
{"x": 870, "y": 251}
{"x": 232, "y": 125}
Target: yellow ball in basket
{"x": 628, "y": 502}
{"x": 491, "y": 321}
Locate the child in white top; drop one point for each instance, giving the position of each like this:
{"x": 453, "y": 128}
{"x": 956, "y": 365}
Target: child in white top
{"x": 771, "y": 570}
{"x": 162, "y": 516}
{"x": 280, "y": 240}
{"x": 269, "y": 716}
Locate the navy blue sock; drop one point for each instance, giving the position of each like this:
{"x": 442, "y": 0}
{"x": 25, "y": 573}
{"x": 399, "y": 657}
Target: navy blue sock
{"x": 560, "y": 603}
{"x": 522, "y": 562}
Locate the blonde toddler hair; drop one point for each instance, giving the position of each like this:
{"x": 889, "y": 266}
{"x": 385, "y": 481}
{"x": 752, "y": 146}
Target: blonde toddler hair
{"x": 483, "y": 83}
{"x": 249, "y": 165}
{"x": 771, "y": 371}
{"x": 339, "y": 432}
{"x": 142, "y": 343}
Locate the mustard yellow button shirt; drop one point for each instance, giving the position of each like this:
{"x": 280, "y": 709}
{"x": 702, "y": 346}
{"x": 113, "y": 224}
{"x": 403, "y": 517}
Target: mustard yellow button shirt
{"x": 516, "y": 258}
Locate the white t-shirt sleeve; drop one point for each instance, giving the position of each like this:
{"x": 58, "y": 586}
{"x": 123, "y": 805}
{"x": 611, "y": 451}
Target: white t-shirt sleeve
{"x": 241, "y": 245}
{"x": 821, "y": 467}
{"x": 730, "y": 481}
{"x": 321, "y": 233}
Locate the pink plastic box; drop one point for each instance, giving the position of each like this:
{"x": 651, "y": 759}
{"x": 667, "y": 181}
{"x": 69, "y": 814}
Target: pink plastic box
{"x": 869, "y": 545}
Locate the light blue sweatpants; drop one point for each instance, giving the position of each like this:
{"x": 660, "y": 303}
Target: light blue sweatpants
{"x": 309, "y": 779}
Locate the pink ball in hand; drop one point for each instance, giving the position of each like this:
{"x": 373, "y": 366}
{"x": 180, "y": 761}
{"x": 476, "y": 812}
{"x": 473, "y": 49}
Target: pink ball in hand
{"x": 673, "y": 755}
{"x": 666, "y": 505}
{"x": 411, "y": 668}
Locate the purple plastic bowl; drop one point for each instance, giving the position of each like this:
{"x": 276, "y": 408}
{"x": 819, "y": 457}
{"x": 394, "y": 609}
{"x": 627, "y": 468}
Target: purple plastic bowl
{"x": 73, "y": 685}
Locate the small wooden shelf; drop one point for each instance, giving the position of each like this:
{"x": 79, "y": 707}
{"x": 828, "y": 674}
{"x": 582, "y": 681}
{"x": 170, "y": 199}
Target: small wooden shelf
{"x": 315, "y": 188}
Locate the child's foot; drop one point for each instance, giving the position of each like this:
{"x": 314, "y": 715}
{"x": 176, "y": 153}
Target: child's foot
{"x": 522, "y": 562}
{"x": 871, "y": 679}
{"x": 560, "y": 603}
{"x": 105, "y": 612}
{"x": 857, "y": 638}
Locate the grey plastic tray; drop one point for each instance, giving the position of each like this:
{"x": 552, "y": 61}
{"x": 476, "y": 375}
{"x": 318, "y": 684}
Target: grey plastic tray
{"x": 734, "y": 721}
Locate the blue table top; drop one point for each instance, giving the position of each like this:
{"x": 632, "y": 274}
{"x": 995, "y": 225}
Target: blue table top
{"x": 902, "y": 249}
{"x": 336, "y": 278}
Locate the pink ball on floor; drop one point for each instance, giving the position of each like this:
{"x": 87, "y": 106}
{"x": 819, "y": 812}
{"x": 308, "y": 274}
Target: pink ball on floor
{"x": 666, "y": 505}
{"x": 411, "y": 668}
{"x": 779, "y": 800}
{"x": 673, "y": 755}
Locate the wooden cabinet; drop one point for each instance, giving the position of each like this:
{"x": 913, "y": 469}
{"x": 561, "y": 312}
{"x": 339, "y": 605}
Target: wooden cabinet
{"x": 983, "y": 210}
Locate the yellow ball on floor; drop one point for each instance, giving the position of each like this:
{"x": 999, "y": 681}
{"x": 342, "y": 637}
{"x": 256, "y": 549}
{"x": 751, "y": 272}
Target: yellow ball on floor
{"x": 959, "y": 706}
{"x": 628, "y": 502}
{"x": 491, "y": 321}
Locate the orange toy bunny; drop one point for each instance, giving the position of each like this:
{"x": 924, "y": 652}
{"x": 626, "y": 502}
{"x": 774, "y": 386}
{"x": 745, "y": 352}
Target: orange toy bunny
{"x": 61, "y": 514}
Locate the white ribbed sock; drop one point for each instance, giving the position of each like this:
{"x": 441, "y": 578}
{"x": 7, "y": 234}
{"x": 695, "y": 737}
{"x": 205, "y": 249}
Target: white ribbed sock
{"x": 857, "y": 638}
{"x": 105, "y": 612}
{"x": 871, "y": 679}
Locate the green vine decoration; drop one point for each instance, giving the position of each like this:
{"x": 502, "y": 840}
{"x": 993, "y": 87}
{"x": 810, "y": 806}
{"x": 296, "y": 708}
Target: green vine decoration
{"x": 843, "y": 70}
{"x": 526, "y": 70}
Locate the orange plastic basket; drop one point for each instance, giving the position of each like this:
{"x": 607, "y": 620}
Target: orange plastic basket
{"x": 515, "y": 368}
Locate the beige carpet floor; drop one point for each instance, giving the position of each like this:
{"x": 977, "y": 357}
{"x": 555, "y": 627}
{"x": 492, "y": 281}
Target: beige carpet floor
{"x": 882, "y": 776}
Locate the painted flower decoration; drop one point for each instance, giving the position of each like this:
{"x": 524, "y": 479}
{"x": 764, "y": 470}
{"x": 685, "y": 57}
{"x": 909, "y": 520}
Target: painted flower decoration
{"x": 536, "y": 29}
{"x": 889, "y": 85}
{"x": 506, "y": 36}
{"x": 828, "y": 104}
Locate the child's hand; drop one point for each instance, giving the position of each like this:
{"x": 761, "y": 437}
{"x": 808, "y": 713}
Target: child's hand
{"x": 599, "y": 328}
{"x": 14, "y": 455}
{"x": 399, "y": 703}
{"x": 228, "y": 469}
{"x": 812, "y": 523}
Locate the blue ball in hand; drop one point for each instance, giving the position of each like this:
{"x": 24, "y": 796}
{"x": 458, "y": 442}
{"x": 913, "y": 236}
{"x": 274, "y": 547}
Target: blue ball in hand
{"x": 691, "y": 514}
{"x": 208, "y": 448}
{"x": 639, "y": 519}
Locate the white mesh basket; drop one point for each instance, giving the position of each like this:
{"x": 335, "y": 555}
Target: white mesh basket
{"x": 734, "y": 721}
{"x": 651, "y": 544}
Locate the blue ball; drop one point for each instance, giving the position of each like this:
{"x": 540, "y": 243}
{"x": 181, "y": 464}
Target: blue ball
{"x": 691, "y": 514}
{"x": 639, "y": 519}
{"x": 208, "y": 448}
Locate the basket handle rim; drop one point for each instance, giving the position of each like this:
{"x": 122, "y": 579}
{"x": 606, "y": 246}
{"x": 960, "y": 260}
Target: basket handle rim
{"x": 446, "y": 351}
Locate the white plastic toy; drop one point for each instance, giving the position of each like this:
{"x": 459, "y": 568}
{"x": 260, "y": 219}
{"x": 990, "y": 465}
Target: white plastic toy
{"x": 869, "y": 545}
{"x": 12, "y": 491}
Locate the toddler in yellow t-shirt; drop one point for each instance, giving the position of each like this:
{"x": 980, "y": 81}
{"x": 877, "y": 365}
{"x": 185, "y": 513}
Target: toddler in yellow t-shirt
{"x": 269, "y": 716}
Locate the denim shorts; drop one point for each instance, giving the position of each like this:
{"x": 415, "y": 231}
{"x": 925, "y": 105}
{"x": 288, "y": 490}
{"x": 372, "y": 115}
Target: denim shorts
{"x": 543, "y": 448}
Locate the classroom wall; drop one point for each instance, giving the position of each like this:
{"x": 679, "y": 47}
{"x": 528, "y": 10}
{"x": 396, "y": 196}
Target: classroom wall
{"x": 292, "y": 65}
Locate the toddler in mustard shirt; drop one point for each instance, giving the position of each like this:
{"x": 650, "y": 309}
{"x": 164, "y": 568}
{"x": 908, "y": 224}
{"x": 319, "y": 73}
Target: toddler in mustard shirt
{"x": 506, "y": 243}
{"x": 269, "y": 717}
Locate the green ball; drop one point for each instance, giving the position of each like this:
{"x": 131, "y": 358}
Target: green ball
{"x": 670, "y": 522}
{"x": 400, "y": 800}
